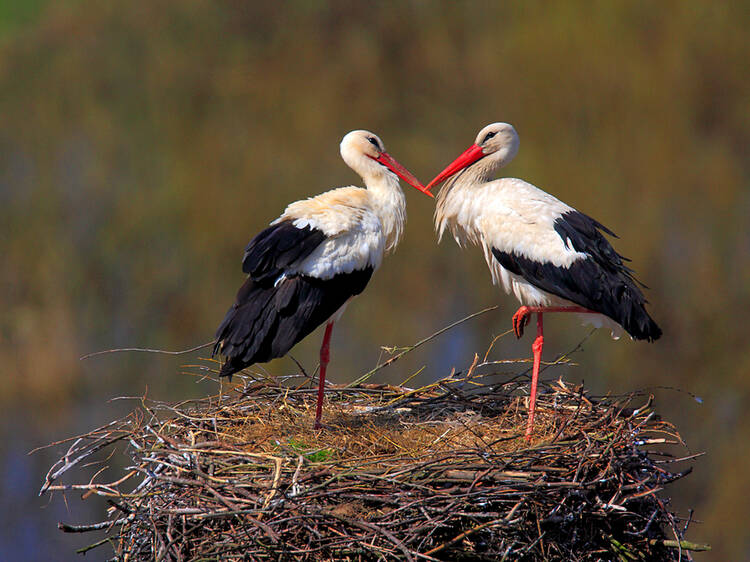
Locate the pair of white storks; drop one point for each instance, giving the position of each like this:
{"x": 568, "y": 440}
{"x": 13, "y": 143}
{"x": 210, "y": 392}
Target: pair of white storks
{"x": 305, "y": 267}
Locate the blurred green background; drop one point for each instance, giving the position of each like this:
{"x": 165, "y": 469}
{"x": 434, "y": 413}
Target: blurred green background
{"x": 143, "y": 143}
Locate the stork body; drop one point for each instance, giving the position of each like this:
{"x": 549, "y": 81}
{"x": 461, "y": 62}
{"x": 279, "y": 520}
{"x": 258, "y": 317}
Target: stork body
{"x": 319, "y": 254}
{"x": 552, "y": 257}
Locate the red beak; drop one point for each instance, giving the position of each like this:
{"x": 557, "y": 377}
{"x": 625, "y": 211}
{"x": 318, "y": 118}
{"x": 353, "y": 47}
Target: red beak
{"x": 467, "y": 158}
{"x": 389, "y": 162}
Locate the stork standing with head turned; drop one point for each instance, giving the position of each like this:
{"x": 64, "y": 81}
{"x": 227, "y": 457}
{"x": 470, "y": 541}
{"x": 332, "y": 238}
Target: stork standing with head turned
{"x": 320, "y": 253}
{"x": 552, "y": 257}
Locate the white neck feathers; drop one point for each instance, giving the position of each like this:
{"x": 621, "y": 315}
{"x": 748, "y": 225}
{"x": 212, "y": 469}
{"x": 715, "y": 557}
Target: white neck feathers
{"x": 389, "y": 203}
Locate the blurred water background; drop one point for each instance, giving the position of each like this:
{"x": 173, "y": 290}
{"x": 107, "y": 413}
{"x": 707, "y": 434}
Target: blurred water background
{"x": 143, "y": 143}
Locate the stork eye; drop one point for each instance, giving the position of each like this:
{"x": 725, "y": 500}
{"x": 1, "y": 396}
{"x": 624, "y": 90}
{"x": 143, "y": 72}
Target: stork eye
{"x": 374, "y": 142}
{"x": 488, "y": 136}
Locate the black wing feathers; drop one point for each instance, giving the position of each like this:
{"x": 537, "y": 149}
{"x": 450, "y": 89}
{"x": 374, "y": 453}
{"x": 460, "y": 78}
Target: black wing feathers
{"x": 269, "y": 318}
{"x": 599, "y": 282}
{"x": 277, "y": 247}
{"x": 584, "y": 235}
{"x": 257, "y": 327}
{"x": 276, "y": 307}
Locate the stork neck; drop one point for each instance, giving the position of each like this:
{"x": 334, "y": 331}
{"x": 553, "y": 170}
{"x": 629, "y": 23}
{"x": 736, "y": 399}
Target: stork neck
{"x": 458, "y": 197}
{"x": 479, "y": 172}
{"x": 389, "y": 203}
{"x": 470, "y": 177}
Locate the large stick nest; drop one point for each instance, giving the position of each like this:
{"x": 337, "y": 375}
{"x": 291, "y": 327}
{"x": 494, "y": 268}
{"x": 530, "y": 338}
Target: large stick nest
{"x": 437, "y": 473}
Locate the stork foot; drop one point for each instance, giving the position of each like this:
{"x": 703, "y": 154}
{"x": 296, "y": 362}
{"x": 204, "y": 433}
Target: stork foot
{"x": 520, "y": 319}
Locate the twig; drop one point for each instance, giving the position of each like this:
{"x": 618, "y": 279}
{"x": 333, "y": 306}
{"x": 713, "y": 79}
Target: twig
{"x": 395, "y": 358}
{"x": 64, "y": 527}
{"x": 463, "y": 536}
{"x": 146, "y": 350}
{"x": 684, "y": 545}
{"x": 85, "y": 549}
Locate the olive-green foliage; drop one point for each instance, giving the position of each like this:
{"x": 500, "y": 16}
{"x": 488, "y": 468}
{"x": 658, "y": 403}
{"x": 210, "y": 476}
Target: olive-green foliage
{"x": 143, "y": 143}
{"x": 311, "y": 453}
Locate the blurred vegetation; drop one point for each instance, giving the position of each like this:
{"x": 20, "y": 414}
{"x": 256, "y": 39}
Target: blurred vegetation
{"x": 142, "y": 144}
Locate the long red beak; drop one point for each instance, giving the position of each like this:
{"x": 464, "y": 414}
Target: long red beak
{"x": 389, "y": 162}
{"x": 467, "y": 158}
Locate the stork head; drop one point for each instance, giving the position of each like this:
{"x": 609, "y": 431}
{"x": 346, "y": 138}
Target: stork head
{"x": 365, "y": 153}
{"x": 495, "y": 145}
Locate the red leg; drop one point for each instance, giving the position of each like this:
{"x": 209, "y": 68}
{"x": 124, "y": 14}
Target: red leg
{"x": 536, "y": 347}
{"x": 520, "y": 319}
{"x": 325, "y": 356}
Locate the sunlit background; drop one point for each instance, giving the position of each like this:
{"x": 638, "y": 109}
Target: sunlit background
{"x": 143, "y": 143}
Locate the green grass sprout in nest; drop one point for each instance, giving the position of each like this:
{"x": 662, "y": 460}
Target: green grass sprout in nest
{"x": 309, "y": 453}
{"x": 436, "y": 473}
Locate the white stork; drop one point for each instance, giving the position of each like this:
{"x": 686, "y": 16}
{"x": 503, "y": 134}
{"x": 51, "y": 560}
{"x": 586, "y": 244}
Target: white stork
{"x": 305, "y": 267}
{"x": 551, "y": 256}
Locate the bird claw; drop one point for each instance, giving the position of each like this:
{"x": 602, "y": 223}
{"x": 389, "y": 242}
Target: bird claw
{"x": 520, "y": 320}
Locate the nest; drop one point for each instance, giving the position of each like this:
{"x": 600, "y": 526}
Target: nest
{"x": 437, "y": 473}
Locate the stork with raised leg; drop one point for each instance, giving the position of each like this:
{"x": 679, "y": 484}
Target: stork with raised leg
{"x": 319, "y": 254}
{"x": 552, "y": 257}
